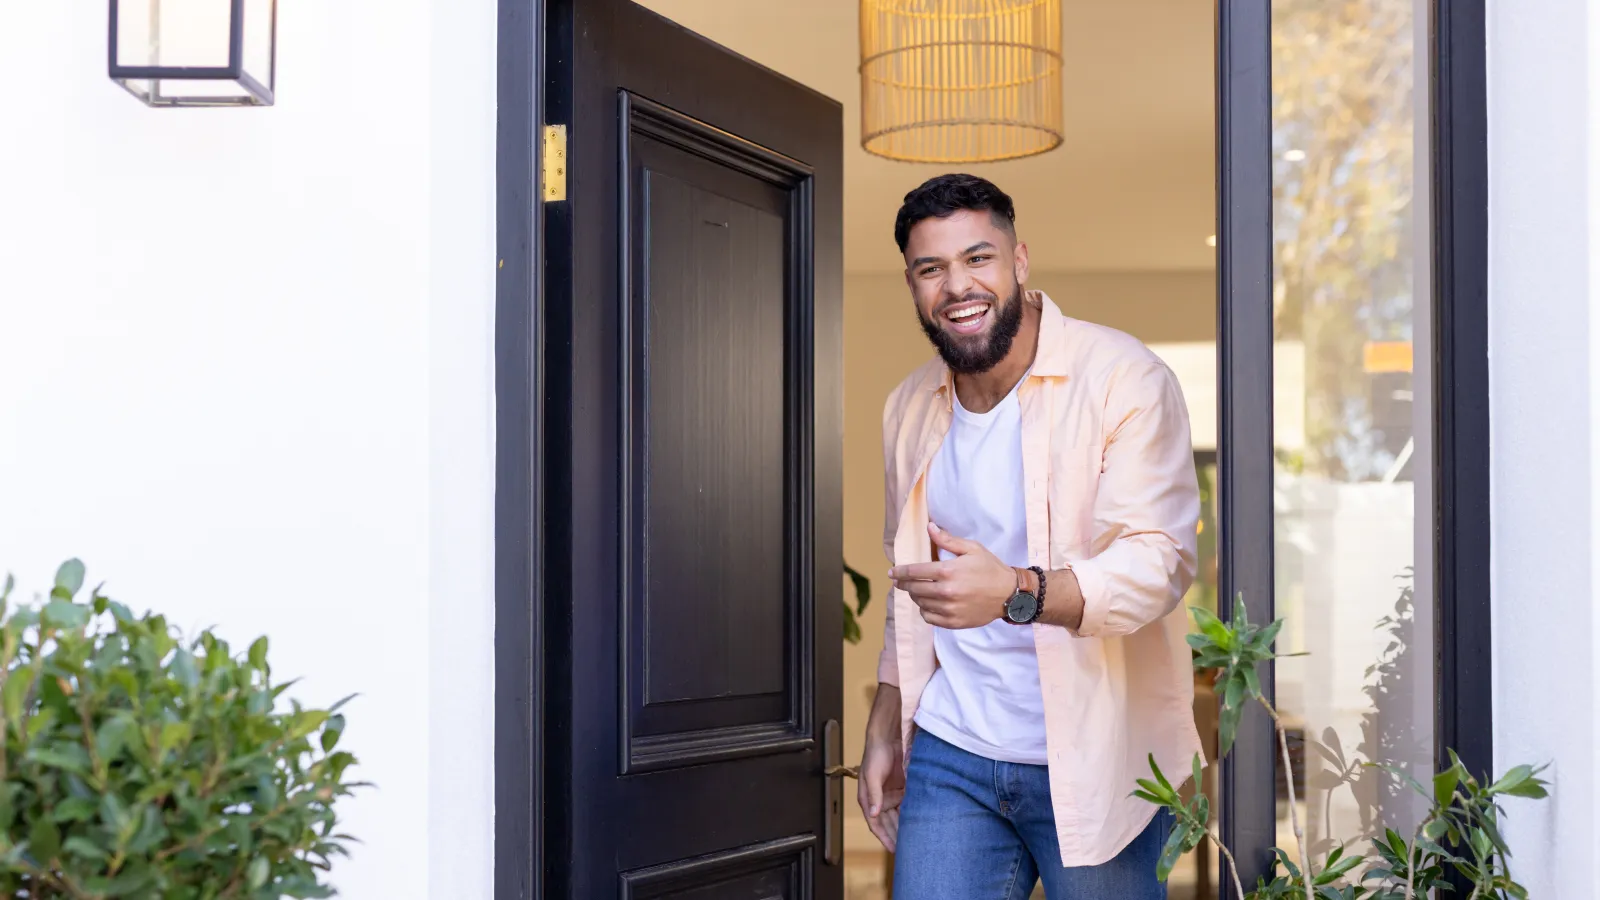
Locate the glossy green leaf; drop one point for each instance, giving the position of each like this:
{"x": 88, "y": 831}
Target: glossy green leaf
{"x": 65, "y": 757}
{"x": 14, "y": 694}
{"x": 1335, "y": 868}
{"x": 64, "y": 614}
{"x": 1520, "y": 781}
{"x": 44, "y": 841}
{"x": 1170, "y": 853}
{"x": 1212, "y": 627}
{"x": 119, "y": 613}
{"x": 1294, "y": 870}
{"x": 69, "y": 577}
{"x": 258, "y": 653}
{"x": 1227, "y": 728}
{"x": 303, "y": 723}
{"x": 1252, "y": 683}
{"x": 82, "y": 846}
{"x": 863, "y": 588}
{"x": 1233, "y": 694}
{"x": 1148, "y": 797}
{"x": 1156, "y": 770}
{"x": 1267, "y": 635}
{"x": 1444, "y": 786}
{"x": 331, "y": 732}
{"x": 184, "y": 670}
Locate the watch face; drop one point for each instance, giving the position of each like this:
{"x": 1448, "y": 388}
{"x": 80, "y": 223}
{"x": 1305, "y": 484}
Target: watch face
{"x": 1022, "y": 608}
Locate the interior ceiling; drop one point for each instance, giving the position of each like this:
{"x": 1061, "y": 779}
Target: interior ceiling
{"x": 1131, "y": 189}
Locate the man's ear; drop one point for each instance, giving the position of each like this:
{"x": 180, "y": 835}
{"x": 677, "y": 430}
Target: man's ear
{"x": 1020, "y": 263}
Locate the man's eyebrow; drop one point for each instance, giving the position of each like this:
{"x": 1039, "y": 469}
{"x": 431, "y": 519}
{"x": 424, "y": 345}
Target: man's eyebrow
{"x": 981, "y": 245}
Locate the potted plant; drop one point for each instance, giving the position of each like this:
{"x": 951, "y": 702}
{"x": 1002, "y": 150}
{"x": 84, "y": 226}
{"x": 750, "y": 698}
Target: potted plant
{"x": 1459, "y": 834}
{"x": 139, "y": 764}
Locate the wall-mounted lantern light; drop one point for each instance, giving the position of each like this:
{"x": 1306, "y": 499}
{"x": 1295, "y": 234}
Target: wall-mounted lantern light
{"x": 195, "y": 52}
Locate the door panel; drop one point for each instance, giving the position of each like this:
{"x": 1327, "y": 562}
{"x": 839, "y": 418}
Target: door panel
{"x": 716, "y": 637}
{"x": 778, "y": 870}
{"x": 694, "y": 637}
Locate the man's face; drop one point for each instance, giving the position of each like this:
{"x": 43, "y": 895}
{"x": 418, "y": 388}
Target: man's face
{"x": 966, "y": 276}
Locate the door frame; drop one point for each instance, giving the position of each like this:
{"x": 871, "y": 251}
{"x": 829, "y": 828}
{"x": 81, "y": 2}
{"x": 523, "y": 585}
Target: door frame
{"x": 519, "y": 376}
{"x": 1459, "y": 519}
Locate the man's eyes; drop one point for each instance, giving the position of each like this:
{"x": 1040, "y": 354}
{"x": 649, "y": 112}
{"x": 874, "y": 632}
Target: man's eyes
{"x": 971, "y": 261}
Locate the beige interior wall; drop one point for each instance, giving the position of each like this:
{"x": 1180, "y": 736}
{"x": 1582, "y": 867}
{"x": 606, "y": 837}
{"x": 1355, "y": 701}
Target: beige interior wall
{"x": 882, "y": 344}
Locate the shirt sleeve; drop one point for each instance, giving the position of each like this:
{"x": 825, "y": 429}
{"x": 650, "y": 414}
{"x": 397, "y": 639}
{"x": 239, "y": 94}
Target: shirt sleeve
{"x": 888, "y": 661}
{"x": 1146, "y": 510}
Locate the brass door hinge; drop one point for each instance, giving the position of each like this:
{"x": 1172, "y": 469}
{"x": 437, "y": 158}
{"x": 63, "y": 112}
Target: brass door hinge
{"x": 554, "y": 182}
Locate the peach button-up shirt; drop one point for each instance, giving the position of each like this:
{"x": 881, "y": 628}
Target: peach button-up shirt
{"x": 1111, "y": 494}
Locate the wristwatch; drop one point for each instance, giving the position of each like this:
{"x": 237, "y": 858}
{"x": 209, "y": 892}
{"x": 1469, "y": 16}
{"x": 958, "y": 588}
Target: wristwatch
{"x": 1024, "y": 607}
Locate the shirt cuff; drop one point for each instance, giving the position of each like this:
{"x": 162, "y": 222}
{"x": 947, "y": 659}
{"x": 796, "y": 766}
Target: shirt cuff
{"x": 1092, "y": 583}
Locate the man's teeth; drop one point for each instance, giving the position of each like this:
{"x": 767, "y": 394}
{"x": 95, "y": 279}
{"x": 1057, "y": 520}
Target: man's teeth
{"x": 960, "y": 314}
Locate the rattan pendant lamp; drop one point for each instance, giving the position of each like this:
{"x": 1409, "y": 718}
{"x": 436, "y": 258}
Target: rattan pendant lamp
{"x": 960, "y": 81}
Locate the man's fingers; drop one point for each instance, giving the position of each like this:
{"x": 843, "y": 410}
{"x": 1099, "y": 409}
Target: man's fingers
{"x": 869, "y": 794}
{"x": 928, "y": 571}
{"x": 881, "y": 830}
{"x": 891, "y": 830}
{"x": 891, "y": 801}
{"x": 944, "y": 540}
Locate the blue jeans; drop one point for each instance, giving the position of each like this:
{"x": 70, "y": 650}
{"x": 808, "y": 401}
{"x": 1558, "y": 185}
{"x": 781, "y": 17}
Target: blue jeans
{"x": 975, "y": 829}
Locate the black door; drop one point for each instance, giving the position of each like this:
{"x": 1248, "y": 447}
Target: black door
{"x": 693, "y": 428}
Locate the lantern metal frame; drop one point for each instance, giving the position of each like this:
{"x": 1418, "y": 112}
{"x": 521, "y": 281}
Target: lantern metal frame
{"x": 255, "y": 93}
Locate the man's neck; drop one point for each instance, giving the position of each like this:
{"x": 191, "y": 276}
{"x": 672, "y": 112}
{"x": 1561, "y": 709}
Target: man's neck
{"x": 982, "y": 392}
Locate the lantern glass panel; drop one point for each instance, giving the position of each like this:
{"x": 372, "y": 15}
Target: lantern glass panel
{"x": 173, "y": 33}
{"x": 259, "y": 24}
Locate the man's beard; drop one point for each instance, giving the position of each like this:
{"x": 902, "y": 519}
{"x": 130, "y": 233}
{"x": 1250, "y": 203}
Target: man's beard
{"x": 975, "y": 355}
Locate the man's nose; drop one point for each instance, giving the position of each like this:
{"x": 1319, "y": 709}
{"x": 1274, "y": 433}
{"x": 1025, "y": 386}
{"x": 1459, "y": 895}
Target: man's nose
{"x": 959, "y": 283}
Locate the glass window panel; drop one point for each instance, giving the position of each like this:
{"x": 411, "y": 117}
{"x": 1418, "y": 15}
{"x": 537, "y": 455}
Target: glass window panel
{"x": 1351, "y": 403}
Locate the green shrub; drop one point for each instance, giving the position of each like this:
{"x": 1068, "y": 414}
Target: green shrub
{"x": 140, "y": 765}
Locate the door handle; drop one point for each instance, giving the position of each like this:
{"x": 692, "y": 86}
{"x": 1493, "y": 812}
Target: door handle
{"x": 835, "y": 772}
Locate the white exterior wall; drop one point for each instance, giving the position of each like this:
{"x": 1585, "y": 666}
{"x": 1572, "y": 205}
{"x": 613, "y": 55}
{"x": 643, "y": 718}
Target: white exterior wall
{"x": 1544, "y": 62}
{"x": 246, "y": 374}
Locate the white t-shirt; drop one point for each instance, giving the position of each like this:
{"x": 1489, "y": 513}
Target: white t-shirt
{"x": 985, "y": 697}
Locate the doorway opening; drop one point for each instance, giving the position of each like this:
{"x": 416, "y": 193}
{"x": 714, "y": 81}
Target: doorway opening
{"x": 1120, "y": 224}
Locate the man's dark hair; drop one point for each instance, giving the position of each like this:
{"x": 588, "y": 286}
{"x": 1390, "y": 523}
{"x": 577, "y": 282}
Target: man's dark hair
{"x": 947, "y": 195}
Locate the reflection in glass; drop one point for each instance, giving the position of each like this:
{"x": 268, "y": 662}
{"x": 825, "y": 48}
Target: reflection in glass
{"x": 1351, "y": 314}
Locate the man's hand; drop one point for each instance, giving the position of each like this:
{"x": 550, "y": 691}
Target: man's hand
{"x": 883, "y": 775}
{"x": 969, "y": 591}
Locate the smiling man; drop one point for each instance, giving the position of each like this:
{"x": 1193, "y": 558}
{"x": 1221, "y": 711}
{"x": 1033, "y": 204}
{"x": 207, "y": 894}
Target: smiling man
{"x": 1040, "y": 514}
